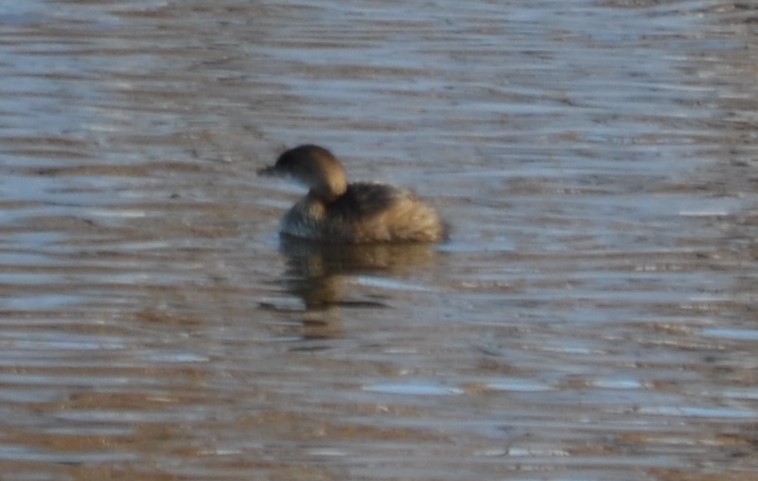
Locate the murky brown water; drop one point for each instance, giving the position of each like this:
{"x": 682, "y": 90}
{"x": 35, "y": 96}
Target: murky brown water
{"x": 592, "y": 318}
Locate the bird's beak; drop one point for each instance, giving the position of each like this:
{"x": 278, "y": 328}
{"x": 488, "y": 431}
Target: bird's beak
{"x": 268, "y": 171}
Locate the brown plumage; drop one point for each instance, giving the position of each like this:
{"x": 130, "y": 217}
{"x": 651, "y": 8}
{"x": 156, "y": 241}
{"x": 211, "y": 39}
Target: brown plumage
{"x": 335, "y": 211}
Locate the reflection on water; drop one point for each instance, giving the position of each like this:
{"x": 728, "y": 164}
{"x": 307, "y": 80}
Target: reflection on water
{"x": 592, "y": 316}
{"x": 325, "y": 275}
{"x": 315, "y": 269}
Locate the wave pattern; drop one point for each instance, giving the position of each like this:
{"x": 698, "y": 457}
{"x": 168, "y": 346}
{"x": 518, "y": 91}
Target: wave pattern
{"x": 592, "y": 317}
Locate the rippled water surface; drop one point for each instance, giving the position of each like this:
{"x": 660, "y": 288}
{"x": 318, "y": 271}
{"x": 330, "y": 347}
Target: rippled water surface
{"x": 593, "y": 316}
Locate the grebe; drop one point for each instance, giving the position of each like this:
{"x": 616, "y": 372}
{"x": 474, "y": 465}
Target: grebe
{"x": 355, "y": 213}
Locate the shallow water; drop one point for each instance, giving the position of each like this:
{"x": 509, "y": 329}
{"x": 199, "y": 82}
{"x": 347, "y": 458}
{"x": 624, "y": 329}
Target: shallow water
{"x": 593, "y": 316}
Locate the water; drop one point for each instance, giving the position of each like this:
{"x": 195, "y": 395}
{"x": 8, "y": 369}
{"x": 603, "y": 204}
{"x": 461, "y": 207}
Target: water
{"x": 592, "y": 317}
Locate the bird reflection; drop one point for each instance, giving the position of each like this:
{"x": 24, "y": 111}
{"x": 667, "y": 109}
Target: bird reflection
{"x": 316, "y": 274}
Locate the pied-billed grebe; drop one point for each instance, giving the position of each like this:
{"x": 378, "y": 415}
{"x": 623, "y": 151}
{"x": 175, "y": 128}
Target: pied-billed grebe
{"x": 356, "y": 213}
